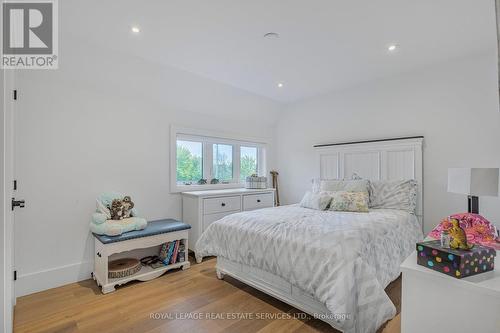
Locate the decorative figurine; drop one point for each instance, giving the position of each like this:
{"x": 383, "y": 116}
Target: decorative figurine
{"x": 459, "y": 238}
{"x": 214, "y": 181}
{"x": 202, "y": 181}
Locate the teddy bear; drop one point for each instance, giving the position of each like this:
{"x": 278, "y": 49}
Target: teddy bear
{"x": 115, "y": 214}
{"x": 121, "y": 208}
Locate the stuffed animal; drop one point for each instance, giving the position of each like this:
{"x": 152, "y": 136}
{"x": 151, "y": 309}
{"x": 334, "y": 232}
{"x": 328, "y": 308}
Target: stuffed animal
{"x": 121, "y": 208}
{"x": 115, "y": 214}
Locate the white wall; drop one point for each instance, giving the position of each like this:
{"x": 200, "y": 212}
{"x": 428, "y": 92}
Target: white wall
{"x": 99, "y": 123}
{"x": 454, "y": 105}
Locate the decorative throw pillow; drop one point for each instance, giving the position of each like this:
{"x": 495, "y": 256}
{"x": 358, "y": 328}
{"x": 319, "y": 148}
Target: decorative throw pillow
{"x": 360, "y": 185}
{"x": 318, "y": 201}
{"x": 394, "y": 194}
{"x": 349, "y": 201}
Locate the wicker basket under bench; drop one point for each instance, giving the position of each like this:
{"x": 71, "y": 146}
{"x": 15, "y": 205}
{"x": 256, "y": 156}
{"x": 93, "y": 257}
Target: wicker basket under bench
{"x": 137, "y": 244}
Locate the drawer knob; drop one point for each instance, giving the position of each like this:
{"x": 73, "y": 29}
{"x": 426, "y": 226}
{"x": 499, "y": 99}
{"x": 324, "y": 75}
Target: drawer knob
{"x": 223, "y": 204}
{"x": 258, "y": 200}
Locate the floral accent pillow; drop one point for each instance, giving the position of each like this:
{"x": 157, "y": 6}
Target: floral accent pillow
{"x": 318, "y": 201}
{"x": 478, "y": 229}
{"x": 344, "y": 201}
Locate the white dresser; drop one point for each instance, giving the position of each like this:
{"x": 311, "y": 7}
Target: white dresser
{"x": 433, "y": 302}
{"x": 201, "y": 208}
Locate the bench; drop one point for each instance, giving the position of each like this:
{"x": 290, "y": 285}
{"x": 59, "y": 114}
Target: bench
{"x": 137, "y": 244}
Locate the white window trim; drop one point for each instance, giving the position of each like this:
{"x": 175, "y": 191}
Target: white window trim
{"x": 224, "y": 138}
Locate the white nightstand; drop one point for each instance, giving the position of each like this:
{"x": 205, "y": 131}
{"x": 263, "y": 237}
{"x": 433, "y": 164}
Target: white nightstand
{"x": 434, "y": 302}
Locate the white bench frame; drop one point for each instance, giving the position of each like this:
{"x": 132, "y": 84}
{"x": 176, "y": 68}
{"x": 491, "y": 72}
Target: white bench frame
{"x": 104, "y": 251}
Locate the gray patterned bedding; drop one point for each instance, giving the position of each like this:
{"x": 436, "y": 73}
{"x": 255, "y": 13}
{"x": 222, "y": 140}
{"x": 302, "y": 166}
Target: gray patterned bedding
{"x": 345, "y": 260}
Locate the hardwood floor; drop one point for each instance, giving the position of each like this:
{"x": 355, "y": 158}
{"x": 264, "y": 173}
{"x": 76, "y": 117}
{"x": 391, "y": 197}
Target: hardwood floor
{"x": 146, "y": 307}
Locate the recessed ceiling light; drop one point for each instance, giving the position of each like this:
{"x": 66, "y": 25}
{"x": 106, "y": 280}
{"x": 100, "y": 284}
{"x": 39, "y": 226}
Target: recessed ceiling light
{"x": 393, "y": 47}
{"x": 272, "y": 35}
{"x": 280, "y": 85}
{"x": 136, "y": 30}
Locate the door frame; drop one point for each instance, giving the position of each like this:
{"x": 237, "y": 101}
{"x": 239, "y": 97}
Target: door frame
{"x": 6, "y": 194}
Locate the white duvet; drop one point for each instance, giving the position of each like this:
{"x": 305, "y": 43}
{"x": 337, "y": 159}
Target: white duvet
{"x": 345, "y": 260}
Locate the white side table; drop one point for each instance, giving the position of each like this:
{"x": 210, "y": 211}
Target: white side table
{"x": 434, "y": 302}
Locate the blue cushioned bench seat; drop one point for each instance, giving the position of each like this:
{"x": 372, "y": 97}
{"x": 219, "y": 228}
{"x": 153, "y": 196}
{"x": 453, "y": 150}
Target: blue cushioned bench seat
{"x": 153, "y": 228}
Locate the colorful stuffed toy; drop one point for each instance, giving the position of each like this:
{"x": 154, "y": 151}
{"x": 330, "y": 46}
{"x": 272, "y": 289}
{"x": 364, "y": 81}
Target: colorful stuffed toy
{"x": 478, "y": 230}
{"x": 115, "y": 214}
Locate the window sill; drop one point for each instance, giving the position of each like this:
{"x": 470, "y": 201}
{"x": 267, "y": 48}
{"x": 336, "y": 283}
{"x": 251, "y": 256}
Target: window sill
{"x": 195, "y": 187}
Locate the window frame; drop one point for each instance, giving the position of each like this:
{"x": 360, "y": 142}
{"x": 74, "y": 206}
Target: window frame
{"x": 208, "y": 138}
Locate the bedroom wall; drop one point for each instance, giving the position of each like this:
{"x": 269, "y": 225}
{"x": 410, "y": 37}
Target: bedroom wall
{"x": 101, "y": 122}
{"x": 454, "y": 105}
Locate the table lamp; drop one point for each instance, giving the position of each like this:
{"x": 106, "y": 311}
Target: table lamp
{"x": 474, "y": 182}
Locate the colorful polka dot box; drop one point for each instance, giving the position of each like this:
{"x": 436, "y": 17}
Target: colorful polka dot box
{"x": 456, "y": 263}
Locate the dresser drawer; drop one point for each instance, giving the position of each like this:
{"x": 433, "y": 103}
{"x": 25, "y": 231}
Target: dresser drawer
{"x": 220, "y": 205}
{"x": 256, "y": 201}
{"x": 210, "y": 218}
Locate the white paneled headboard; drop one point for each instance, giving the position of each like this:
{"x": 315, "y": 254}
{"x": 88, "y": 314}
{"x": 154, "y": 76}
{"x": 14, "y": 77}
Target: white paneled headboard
{"x": 389, "y": 159}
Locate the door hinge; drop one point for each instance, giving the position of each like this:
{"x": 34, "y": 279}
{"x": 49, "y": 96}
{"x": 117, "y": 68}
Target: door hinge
{"x": 15, "y": 185}
{"x": 15, "y": 94}
{"x": 15, "y": 275}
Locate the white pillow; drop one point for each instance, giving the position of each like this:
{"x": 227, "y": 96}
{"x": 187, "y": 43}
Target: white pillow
{"x": 318, "y": 201}
{"x": 394, "y": 194}
{"x": 360, "y": 185}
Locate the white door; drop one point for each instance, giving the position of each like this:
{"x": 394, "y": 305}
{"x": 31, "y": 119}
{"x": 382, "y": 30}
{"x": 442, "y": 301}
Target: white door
{"x": 7, "y": 194}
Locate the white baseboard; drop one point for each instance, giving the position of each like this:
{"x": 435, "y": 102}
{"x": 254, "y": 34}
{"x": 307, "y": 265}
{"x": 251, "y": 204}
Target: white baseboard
{"x": 51, "y": 278}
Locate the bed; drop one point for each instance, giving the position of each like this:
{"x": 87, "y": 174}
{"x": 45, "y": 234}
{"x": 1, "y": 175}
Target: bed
{"x": 332, "y": 265}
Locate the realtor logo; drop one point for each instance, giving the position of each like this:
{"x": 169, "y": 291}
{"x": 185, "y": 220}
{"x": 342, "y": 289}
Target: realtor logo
{"x": 29, "y": 34}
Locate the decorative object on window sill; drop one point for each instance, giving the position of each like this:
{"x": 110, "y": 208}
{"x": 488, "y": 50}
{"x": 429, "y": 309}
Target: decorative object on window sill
{"x": 478, "y": 230}
{"x": 214, "y": 181}
{"x": 115, "y": 214}
{"x": 256, "y": 182}
{"x": 456, "y": 263}
{"x": 274, "y": 175}
{"x": 474, "y": 182}
{"x": 202, "y": 181}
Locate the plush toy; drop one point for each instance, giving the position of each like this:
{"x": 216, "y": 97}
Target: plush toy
{"x": 121, "y": 208}
{"x": 115, "y": 214}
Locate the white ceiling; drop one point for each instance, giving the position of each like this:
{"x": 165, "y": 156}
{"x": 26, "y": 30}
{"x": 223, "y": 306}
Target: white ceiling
{"x": 324, "y": 45}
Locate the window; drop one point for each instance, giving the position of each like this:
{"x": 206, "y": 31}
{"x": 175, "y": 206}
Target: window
{"x": 206, "y": 161}
{"x": 189, "y": 161}
{"x": 222, "y": 162}
{"x": 248, "y": 162}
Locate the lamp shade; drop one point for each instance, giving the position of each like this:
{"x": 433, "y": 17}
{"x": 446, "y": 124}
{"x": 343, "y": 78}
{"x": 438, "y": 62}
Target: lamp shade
{"x": 473, "y": 181}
